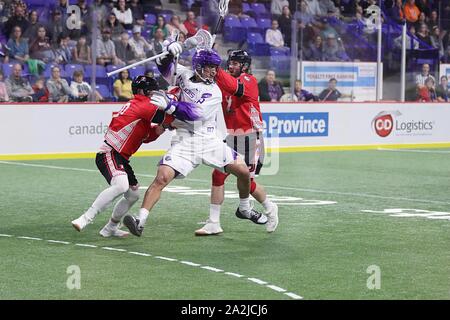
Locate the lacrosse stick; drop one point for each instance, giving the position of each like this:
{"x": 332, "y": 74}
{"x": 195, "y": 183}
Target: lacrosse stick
{"x": 161, "y": 55}
{"x": 175, "y": 35}
{"x": 223, "y": 10}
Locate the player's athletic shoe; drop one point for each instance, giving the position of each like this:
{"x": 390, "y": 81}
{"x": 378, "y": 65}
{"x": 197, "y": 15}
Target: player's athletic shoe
{"x": 108, "y": 232}
{"x": 133, "y": 225}
{"x": 80, "y": 223}
{"x": 252, "y": 215}
{"x": 272, "y": 218}
{"x": 209, "y": 229}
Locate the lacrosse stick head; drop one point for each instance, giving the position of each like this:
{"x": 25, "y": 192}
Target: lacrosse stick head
{"x": 204, "y": 40}
{"x": 223, "y": 7}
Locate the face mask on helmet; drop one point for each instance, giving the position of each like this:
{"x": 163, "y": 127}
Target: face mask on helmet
{"x": 205, "y": 63}
{"x": 242, "y": 57}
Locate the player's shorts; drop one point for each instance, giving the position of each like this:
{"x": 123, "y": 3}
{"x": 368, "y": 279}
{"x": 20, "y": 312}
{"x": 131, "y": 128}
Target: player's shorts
{"x": 112, "y": 164}
{"x": 251, "y": 148}
{"x": 188, "y": 152}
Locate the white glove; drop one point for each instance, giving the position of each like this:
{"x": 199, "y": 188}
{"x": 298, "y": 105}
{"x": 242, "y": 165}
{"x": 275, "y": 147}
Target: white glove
{"x": 175, "y": 48}
{"x": 162, "y": 101}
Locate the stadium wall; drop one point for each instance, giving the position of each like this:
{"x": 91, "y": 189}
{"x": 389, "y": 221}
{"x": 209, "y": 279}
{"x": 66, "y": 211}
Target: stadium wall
{"x": 30, "y": 131}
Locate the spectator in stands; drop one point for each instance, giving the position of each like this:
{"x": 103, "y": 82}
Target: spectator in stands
{"x": 301, "y": 94}
{"x": 40, "y": 47}
{"x": 58, "y": 88}
{"x": 161, "y": 24}
{"x": 137, "y": 10}
{"x": 333, "y": 50}
{"x": 421, "y": 78}
{"x": 18, "y": 19}
{"x": 433, "y": 20}
{"x": 61, "y": 7}
{"x": 424, "y": 36}
{"x": 81, "y": 89}
{"x": 269, "y": 88}
{"x": 157, "y": 42}
{"x": 55, "y": 27}
{"x": 122, "y": 87}
{"x": 3, "y": 91}
{"x": 32, "y": 29}
{"x": 274, "y": 36}
{"x": 422, "y": 20}
{"x": 284, "y": 21}
{"x": 346, "y": 7}
{"x": 314, "y": 52}
{"x": 100, "y": 11}
{"x": 411, "y": 11}
{"x": 63, "y": 54}
{"x": 442, "y": 90}
{"x": 115, "y": 26}
{"x": 123, "y": 14}
{"x": 190, "y": 24}
{"x": 436, "y": 40}
{"x": 175, "y": 24}
{"x": 18, "y": 87}
{"x": 327, "y": 8}
{"x": 82, "y": 52}
{"x": 331, "y": 93}
{"x": 276, "y": 7}
{"x": 18, "y": 47}
{"x": 40, "y": 91}
{"x": 411, "y": 40}
{"x": 313, "y": 7}
{"x": 306, "y": 22}
{"x": 139, "y": 45}
{"x": 426, "y": 6}
{"x": 427, "y": 93}
{"x": 396, "y": 12}
{"x": 124, "y": 52}
{"x": 106, "y": 51}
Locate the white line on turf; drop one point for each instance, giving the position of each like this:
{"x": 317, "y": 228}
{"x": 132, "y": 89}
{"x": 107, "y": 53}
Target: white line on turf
{"x": 354, "y": 194}
{"x": 415, "y": 151}
{"x": 29, "y": 238}
{"x": 85, "y": 245}
{"x": 237, "y": 275}
{"x": 57, "y": 241}
{"x": 211, "y": 269}
{"x": 258, "y": 281}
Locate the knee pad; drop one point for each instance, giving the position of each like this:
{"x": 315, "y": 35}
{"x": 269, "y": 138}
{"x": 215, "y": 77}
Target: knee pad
{"x": 132, "y": 195}
{"x": 252, "y": 185}
{"x": 218, "y": 178}
{"x": 120, "y": 183}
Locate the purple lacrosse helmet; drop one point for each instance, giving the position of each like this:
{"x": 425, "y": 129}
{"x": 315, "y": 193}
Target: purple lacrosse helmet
{"x": 202, "y": 58}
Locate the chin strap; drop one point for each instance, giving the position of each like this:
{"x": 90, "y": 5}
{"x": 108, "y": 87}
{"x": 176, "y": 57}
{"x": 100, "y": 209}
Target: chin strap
{"x": 207, "y": 81}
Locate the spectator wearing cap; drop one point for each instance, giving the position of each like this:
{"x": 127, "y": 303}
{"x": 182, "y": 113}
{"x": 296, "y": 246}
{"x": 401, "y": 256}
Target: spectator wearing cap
{"x": 138, "y": 44}
{"x": 274, "y": 37}
{"x": 106, "y": 51}
{"x": 18, "y": 87}
{"x": 334, "y": 51}
{"x": 269, "y": 88}
{"x": 442, "y": 90}
{"x": 18, "y": 47}
{"x": 123, "y": 14}
{"x": 58, "y": 88}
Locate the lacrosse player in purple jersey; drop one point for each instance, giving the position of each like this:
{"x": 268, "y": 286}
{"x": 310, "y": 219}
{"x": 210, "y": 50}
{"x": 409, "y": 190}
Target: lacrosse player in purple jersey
{"x": 195, "y": 142}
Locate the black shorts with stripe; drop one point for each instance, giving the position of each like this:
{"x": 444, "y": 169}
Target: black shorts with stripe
{"x": 251, "y": 148}
{"x": 112, "y": 164}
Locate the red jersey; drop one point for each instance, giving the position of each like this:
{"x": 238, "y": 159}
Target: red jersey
{"x": 240, "y": 102}
{"x": 132, "y": 126}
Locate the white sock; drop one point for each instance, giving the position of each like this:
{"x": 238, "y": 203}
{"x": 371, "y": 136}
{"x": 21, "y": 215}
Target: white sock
{"x": 214, "y": 212}
{"x": 267, "y": 204}
{"x": 244, "y": 205}
{"x": 143, "y": 214}
{"x": 112, "y": 225}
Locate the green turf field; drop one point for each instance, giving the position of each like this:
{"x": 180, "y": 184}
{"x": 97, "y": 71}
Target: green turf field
{"x": 321, "y": 250}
